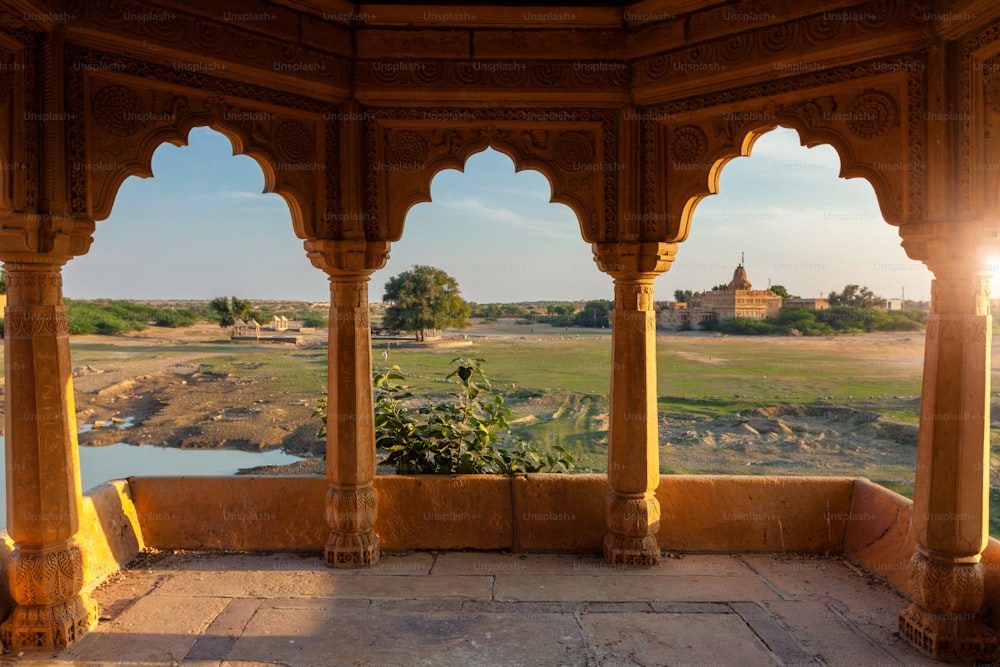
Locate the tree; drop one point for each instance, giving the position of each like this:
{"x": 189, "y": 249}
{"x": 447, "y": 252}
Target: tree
{"x": 514, "y": 310}
{"x": 856, "y": 296}
{"x": 228, "y": 312}
{"x": 781, "y": 291}
{"x": 683, "y": 295}
{"x": 595, "y": 313}
{"x": 424, "y": 298}
{"x": 721, "y": 287}
{"x": 3, "y": 281}
{"x": 561, "y": 309}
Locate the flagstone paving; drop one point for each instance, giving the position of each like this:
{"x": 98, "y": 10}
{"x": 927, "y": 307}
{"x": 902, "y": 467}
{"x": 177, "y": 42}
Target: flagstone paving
{"x": 504, "y": 610}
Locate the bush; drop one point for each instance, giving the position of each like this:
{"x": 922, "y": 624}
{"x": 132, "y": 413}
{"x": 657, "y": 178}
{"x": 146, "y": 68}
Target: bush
{"x": 105, "y": 317}
{"x": 839, "y": 319}
{"x": 316, "y": 319}
{"x": 175, "y": 318}
{"x": 468, "y": 433}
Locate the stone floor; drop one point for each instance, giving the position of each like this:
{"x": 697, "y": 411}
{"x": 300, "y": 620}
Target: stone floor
{"x": 470, "y": 609}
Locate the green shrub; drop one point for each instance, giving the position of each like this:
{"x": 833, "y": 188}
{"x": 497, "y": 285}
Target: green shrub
{"x": 839, "y": 319}
{"x": 105, "y": 317}
{"x": 468, "y": 433}
{"x": 316, "y": 319}
{"x": 166, "y": 317}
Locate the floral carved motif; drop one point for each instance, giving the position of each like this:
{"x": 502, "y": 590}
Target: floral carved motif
{"x": 573, "y": 150}
{"x": 688, "y": 144}
{"x": 118, "y": 110}
{"x": 46, "y": 578}
{"x": 633, "y": 517}
{"x": 294, "y": 142}
{"x": 407, "y": 148}
{"x": 871, "y": 114}
{"x": 351, "y": 510}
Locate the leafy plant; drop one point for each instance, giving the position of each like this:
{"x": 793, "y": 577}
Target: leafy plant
{"x": 468, "y": 433}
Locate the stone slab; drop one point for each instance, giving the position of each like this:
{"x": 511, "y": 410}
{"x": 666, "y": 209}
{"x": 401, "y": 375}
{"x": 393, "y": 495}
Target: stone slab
{"x": 243, "y": 513}
{"x": 866, "y": 600}
{"x": 454, "y": 562}
{"x": 626, "y": 588}
{"x": 298, "y": 637}
{"x": 560, "y": 513}
{"x": 444, "y": 512}
{"x": 221, "y": 636}
{"x": 835, "y": 639}
{"x": 158, "y": 629}
{"x": 324, "y": 585}
{"x": 261, "y": 584}
{"x": 674, "y": 639}
{"x": 878, "y": 534}
{"x": 747, "y": 514}
{"x": 774, "y": 636}
{"x": 406, "y": 587}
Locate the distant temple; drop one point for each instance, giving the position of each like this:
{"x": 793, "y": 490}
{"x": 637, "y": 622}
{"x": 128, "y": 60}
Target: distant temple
{"x": 738, "y": 299}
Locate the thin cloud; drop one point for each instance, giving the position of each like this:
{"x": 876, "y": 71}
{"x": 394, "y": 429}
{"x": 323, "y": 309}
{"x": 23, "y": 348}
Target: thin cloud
{"x": 474, "y": 208}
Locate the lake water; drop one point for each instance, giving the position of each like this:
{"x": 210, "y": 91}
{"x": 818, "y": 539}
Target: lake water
{"x": 100, "y": 464}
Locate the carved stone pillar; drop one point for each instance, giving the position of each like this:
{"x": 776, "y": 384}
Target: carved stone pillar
{"x": 633, "y": 513}
{"x": 951, "y": 492}
{"x": 43, "y": 471}
{"x": 351, "y": 502}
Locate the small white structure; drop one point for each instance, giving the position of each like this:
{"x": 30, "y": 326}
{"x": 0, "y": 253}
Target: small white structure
{"x": 280, "y": 323}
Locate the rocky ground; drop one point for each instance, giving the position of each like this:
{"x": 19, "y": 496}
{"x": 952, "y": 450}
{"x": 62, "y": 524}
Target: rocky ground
{"x": 180, "y": 400}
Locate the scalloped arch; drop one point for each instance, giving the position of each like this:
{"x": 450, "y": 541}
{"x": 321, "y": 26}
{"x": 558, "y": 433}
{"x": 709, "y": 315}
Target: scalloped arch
{"x": 420, "y": 193}
{"x": 102, "y": 197}
{"x": 850, "y": 166}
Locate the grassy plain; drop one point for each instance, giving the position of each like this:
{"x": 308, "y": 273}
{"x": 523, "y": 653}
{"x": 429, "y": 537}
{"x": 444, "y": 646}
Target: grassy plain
{"x": 568, "y": 374}
{"x": 731, "y": 405}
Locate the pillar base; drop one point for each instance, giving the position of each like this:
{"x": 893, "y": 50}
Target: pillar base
{"x": 622, "y": 550}
{"x": 51, "y": 626}
{"x": 352, "y": 550}
{"x": 950, "y": 637}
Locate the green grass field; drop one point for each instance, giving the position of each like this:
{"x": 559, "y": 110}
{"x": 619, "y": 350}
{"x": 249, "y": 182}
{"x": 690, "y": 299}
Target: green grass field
{"x": 557, "y": 382}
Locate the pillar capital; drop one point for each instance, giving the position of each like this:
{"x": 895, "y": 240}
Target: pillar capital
{"x": 955, "y": 249}
{"x": 43, "y": 238}
{"x": 347, "y": 257}
{"x": 639, "y": 261}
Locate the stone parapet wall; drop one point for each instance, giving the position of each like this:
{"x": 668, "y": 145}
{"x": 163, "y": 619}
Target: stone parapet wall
{"x": 863, "y": 521}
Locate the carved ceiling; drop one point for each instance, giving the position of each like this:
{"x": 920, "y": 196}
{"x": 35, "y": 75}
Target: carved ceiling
{"x": 630, "y": 109}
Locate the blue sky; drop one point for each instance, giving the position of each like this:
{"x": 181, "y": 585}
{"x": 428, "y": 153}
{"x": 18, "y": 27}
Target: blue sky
{"x": 200, "y": 229}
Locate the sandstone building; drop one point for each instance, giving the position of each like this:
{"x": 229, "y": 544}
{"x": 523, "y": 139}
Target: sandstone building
{"x": 631, "y": 110}
{"x": 739, "y": 299}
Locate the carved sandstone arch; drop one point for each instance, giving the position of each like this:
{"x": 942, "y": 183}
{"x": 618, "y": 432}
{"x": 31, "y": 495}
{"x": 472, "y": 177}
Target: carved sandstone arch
{"x": 873, "y": 130}
{"x": 404, "y": 154}
{"x": 126, "y": 120}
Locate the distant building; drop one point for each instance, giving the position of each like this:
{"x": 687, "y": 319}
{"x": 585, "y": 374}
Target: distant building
{"x": 739, "y": 299}
{"x": 243, "y": 329}
{"x": 894, "y": 304}
{"x": 811, "y": 304}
